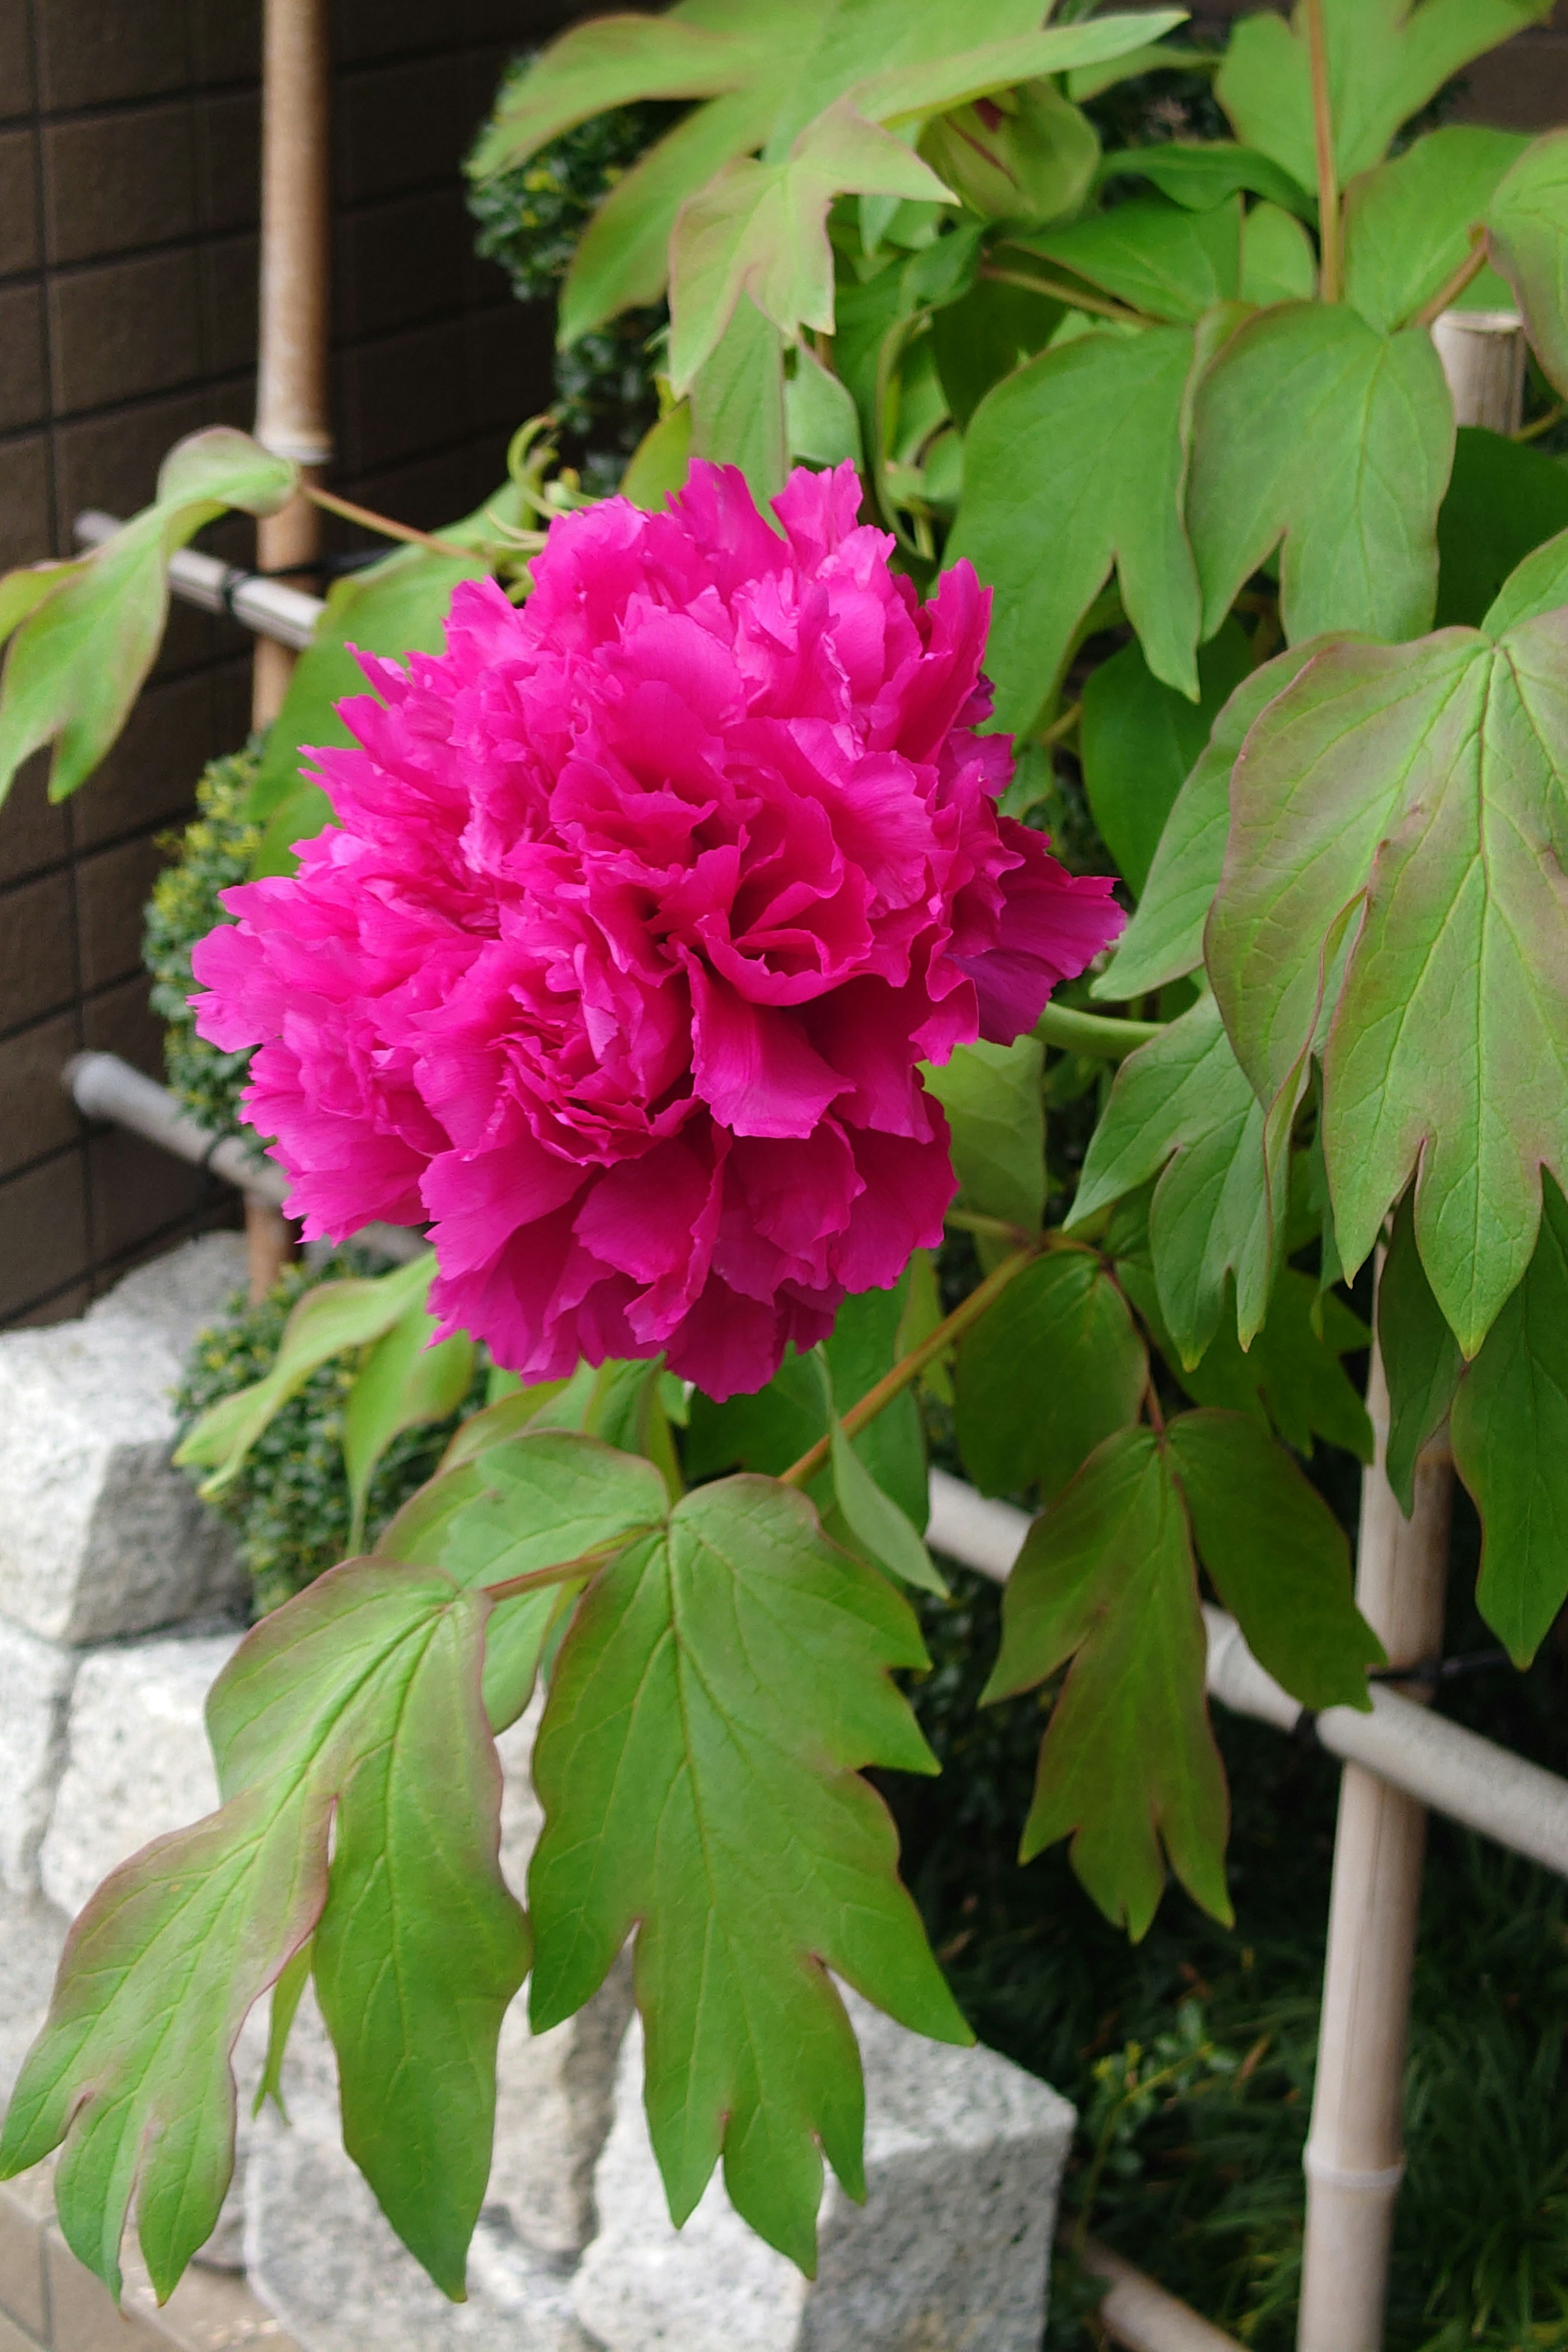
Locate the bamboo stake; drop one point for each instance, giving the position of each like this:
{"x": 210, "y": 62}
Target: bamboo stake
{"x": 1354, "y": 2157}
{"x": 292, "y": 415}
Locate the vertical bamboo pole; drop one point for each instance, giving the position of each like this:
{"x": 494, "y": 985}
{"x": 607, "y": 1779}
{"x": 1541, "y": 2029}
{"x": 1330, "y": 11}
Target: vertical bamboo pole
{"x": 291, "y": 412}
{"x": 1354, "y": 2157}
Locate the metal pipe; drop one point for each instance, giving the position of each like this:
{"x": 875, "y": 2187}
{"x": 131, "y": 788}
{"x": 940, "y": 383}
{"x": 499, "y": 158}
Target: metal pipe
{"x": 102, "y": 1086}
{"x": 1441, "y": 1764}
{"x": 267, "y": 606}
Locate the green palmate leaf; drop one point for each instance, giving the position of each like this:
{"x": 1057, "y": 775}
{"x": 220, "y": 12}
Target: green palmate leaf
{"x": 1128, "y": 1767}
{"x": 302, "y": 1722}
{"x": 1204, "y": 174}
{"x": 1160, "y": 258}
{"x": 1387, "y": 59}
{"x": 1408, "y": 224}
{"x": 1421, "y": 1359}
{"x": 1055, "y": 1366}
{"x": 1138, "y": 740}
{"x": 1277, "y": 262}
{"x": 1393, "y": 877}
{"x": 980, "y": 338}
{"x": 659, "y": 466}
{"x": 858, "y": 38}
{"x": 1312, "y": 429}
{"x": 773, "y": 1429}
{"x": 405, "y": 1380}
{"x": 1511, "y": 1447}
{"x": 1528, "y": 237}
{"x": 1074, "y": 465}
{"x": 1540, "y": 584}
{"x": 996, "y": 1120}
{"x": 738, "y": 402}
{"x": 84, "y": 635}
{"x": 710, "y": 1710}
{"x": 1182, "y": 1107}
{"x": 520, "y": 1503}
{"x": 1504, "y": 500}
{"x": 1278, "y": 1558}
{"x": 607, "y": 63}
{"x": 1165, "y": 940}
{"x": 1291, "y": 1377}
{"x": 287, "y": 1993}
{"x": 868, "y": 1523}
{"x": 326, "y": 1320}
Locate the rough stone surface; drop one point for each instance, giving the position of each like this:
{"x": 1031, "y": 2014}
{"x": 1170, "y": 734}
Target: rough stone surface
{"x": 963, "y": 2157}
{"x": 99, "y": 1535}
{"x": 555, "y": 2091}
{"x": 31, "y": 1933}
{"x": 137, "y": 1760}
{"x": 36, "y": 1680}
{"x": 324, "y": 2259}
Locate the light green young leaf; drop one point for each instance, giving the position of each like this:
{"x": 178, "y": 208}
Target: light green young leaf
{"x": 1526, "y": 235}
{"x": 874, "y": 1528}
{"x": 1138, "y": 740}
{"x": 1312, "y": 429}
{"x": 1128, "y": 1765}
{"x": 1511, "y": 1447}
{"x": 1182, "y": 1106}
{"x": 1408, "y": 224}
{"x": 1201, "y": 174}
{"x": 722, "y": 1687}
{"x": 995, "y": 1114}
{"x": 84, "y": 635}
{"x": 1278, "y": 262}
{"x": 1387, "y": 59}
{"x": 1278, "y": 1556}
{"x": 1159, "y": 257}
{"x": 738, "y": 402}
{"x": 326, "y": 1320}
{"x": 1055, "y": 1366}
{"x": 1074, "y": 465}
{"x": 1409, "y": 802}
{"x": 1505, "y": 499}
{"x": 141, "y": 2091}
{"x": 761, "y": 229}
{"x": 606, "y": 63}
{"x": 1421, "y": 1357}
{"x": 403, "y": 1381}
{"x": 1538, "y": 585}
{"x": 915, "y": 91}
{"x": 1165, "y": 940}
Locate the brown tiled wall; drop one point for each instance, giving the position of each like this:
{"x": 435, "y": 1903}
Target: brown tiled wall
{"x": 128, "y": 206}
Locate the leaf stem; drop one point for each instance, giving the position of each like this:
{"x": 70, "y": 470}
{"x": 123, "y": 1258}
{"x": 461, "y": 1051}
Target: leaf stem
{"x": 1540, "y": 424}
{"x": 996, "y": 1229}
{"x": 1097, "y": 1034}
{"x": 1075, "y": 298}
{"x": 1324, "y": 140}
{"x": 1060, "y": 728}
{"x": 380, "y": 523}
{"x": 1474, "y": 262}
{"x": 909, "y": 1368}
{"x": 566, "y": 1570}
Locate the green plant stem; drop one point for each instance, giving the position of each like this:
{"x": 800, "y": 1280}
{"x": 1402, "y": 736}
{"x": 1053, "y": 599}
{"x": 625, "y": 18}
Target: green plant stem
{"x": 1540, "y": 424}
{"x": 566, "y": 1572}
{"x": 382, "y": 524}
{"x": 1100, "y": 304}
{"x": 1060, "y": 728}
{"x": 994, "y": 1229}
{"x": 1097, "y": 1034}
{"x": 1323, "y": 140}
{"x": 1474, "y": 262}
{"x": 910, "y": 1368}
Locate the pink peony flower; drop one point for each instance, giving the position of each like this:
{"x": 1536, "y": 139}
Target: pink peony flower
{"x": 643, "y": 904}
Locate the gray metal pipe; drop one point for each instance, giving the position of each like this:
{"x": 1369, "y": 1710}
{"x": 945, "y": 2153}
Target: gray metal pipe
{"x": 103, "y": 1086}
{"x": 269, "y": 607}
